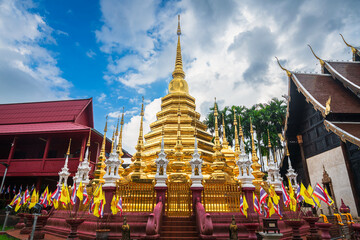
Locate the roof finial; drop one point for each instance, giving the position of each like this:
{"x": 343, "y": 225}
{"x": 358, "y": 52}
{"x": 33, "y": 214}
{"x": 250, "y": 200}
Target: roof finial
{"x": 287, "y": 149}
{"x": 287, "y": 71}
{"x": 327, "y": 108}
{"x": 352, "y": 48}
{"x": 68, "y": 151}
{"x": 320, "y": 60}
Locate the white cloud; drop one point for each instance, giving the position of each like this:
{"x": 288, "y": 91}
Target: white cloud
{"x": 90, "y": 53}
{"x": 228, "y": 46}
{"x": 28, "y": 72}
{"x": 101, "y": 98}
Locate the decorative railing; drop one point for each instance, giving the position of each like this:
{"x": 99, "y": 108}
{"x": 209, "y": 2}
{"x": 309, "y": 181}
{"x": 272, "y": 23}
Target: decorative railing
{"x": 179, "y": 200}
{"x": 221, "y": 197}
{"x": 137, "y": 197}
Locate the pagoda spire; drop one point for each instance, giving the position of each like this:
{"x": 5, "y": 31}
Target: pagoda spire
{"x": 217, "y": 146}
{"x": 100, "y": 165}
{"x": 178, "y": 83}
{"x": 237, "y": 146}
{"x": 258, "y": 175}
{"x": 241, "y": 134}
{"x": 138, "y": 164}
{"x": 119, "y": 146}
{"x": 225, "y": 142}
{"x": 64, "y": 173}
{"x": 82, "y": 174}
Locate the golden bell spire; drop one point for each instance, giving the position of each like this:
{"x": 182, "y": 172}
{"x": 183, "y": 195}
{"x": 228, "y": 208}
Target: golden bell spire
{"x": 217, "y": 146}
{"x": 237, "y": 146}
{"x": 225, "y": 143}
{"x": 138, "y": 172}
{"x": 119, "y": 146}
{"x": 258, "y": 175}
{"x": 112, "y": 142}
{"x": 100, "y": 165}
{"x": 178, "y": 84}
{"x": 140, "y": 145}
{"x": 241, "y": 134}
{"x": 269, "y": 143}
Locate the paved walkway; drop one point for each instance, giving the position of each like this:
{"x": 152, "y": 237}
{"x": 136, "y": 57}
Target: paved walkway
{"x": 16, "y": 234}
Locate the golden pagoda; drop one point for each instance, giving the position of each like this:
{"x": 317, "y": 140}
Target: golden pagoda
{"x": 258, "y": 175}
{"x": 100, "y": 165}
{"x": 228, "y": 153}
{"x": 180, "y": 122}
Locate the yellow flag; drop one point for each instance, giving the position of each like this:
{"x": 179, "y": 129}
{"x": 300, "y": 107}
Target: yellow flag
{"x": 306, "y": 195}
{"x": 13, "y": 200}
{"x": 271, "y": 207}
{"x": 245, "y": 206}
{"x": 273, "y": 195}
{"x": 80, "y": 191}
{"x": 98, "y": 194}
{"x": 96, "y": 210}
{"x": 33, "y": 199}
{"x": 293, "y": 203}
{"x": 18, "y": 205}
{"x": 291, "y": 190}
{"x": 113, "y": 206}
{"x": 65, "y": 196}
{"x": 316, "y": 200}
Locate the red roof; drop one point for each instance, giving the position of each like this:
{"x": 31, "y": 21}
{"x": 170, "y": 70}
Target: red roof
{"x": 40, "y": 128}
{"x": 41, "y": 112}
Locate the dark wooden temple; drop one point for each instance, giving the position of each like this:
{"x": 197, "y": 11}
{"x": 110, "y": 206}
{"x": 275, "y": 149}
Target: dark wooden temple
{"x": 323, "y": 114}
{"x": 34, "y": 138}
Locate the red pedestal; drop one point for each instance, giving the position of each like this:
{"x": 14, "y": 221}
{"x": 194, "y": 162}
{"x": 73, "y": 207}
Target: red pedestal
{"x": 74, "y": 223}
{"x": 109, "y": 193}
{"x": 248, "y": 193}
{"x": 160, "y": 193}
{"x": 295, "y": 226}
{"x": 21, "y": 223}
{"x": 313, "y": 230}
{"x": 281, "y": 201}
{"x": 251, "y": 228}
{"x": 196, "y": 194}
{"x": 28, "y": 224}
{"x": 324, "y": 228}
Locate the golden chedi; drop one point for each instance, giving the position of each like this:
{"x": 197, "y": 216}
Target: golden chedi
{"x": 177, "y": 106}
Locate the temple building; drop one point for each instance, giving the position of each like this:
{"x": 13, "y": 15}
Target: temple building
{"x": 34, "y": 139}
{"x": 323, "y": 128}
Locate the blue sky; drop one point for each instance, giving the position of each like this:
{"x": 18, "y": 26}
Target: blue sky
{"x": 117, "y": 51}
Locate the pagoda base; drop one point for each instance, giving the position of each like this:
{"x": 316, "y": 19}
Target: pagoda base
{"x": 178, "y": 177}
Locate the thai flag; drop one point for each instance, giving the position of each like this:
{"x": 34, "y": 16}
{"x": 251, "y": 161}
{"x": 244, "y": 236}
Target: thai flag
{"x": 85, "y": 196}
{"x": 320, "y": 193}
{"x": 119, "y": 206}
{"x": 73, "y": 195}
{"x": 56, "y": 194}
{"x": 101, "y": 208}
{"x": 44, "y": 198}
{"x": 20, "y": 189}
{"x": 14, "y": 190}
{"x": 299, "y": 198}
{"x": 263, "y": 195}
{"x": 278, "y": 210}
{"x": 257, "y": 205}
{"x": 32, "y": 188}
{"x": 286, "y": 197}
{"x": 27, "y": 195}
{"x": 242, "y": 205}
{"x": 8, "y": 190}
{"x": 17, "y": 198}
{"x": 22, "y": 200}
{"x": 266, "y": 210}
{"x": 91, "y": 206}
